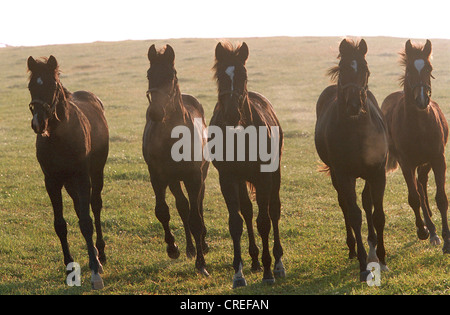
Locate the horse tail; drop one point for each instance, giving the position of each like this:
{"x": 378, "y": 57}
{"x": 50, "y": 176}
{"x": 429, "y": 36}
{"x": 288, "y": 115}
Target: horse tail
{"x": 323, "y": 168}
{"x": 252, "y": 191}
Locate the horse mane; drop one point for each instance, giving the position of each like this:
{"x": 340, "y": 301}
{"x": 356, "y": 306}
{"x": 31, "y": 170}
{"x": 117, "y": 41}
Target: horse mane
{"x": 404, "y": 60}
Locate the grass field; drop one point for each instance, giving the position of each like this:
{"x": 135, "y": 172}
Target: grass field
{"x": 291, "y": 73}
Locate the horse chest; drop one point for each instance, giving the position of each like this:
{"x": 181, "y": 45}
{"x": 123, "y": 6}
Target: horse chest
{"x": 60, "y": 157}
{"x": 418, "y": 142}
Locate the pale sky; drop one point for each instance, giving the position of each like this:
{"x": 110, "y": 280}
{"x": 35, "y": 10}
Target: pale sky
{"x": 43, "y": 22}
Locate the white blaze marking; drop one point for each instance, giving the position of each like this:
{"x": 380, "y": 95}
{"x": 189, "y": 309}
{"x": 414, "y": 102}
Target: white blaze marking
{"x": 39, "y": 81}
{"x": 230, "y": 72}
{"x": 354, "y": 65}
{"x": 419, "y": 64}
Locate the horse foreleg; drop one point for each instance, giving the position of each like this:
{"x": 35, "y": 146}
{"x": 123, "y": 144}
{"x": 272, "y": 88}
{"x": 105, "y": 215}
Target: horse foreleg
{"x": 60, "y": 225}
{"x": 414, "y": 201}
{"x": 347, "y": 195}
{"x": 163, "y": 215}
{"x": 350, "y": 240}
{"x": 182, "y": 205}
{"x": 230, "y": 191}
{"x": 377, "y": 187}
{"x": 275, "y": 213}
{"x": 422, "y": 182}
{"x": 194, "y": 188}
{"x": 263, "y": 189}
{"x": 83, "y": 187}
{"x": 247, "y": 212}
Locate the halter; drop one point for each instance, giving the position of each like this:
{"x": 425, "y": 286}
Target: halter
{"x": 420, "y": 84}
{"x": 170, "y": 95}
{"x": 50, "y": 109}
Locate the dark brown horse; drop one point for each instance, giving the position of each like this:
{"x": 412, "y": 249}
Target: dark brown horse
{"x": 72, "y": 148}
{"x": 167, "y": 110}
{"x": 418, "y": 133}
{"x": 237, "y": 107}
{"x": 350, "y": 138}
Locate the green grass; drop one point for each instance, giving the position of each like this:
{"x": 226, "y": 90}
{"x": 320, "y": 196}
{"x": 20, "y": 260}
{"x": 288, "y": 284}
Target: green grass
{"x": 291, "y": 73}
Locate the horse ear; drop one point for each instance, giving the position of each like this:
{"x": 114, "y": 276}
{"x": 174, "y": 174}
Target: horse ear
{"x": 408, "y": 47}
{"x": 169, "y": 53}
{"x": 344, "y": 47}
{"x": 151, "y": 53}
{"x": 427, "y": 48}
{"x": 362, "y": 47}
{"x": 52, "y": 63}
{"x": 220, "y": 52}
{"x": 31, "y": 63}
{"x": 243, "y": 53}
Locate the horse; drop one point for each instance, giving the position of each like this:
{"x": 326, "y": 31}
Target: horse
{"x": 72, "y": 146}
{"x": 418, "y": 133}
{"x": 168, "y": 109}
{"x": 351, "y": 141}
{"x": 238, "y": 107}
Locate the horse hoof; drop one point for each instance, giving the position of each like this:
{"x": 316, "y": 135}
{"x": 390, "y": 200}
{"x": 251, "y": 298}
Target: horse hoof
{"x": 97, "y": 281}
{"x": 364, "y": 275}
{"x": 279, "y": 271}
{"x": 446, "y": 248}
{"x": 423, "y": 233}
{"x": 435, "y": 240}
{"x": 190, "y": 252}
{"x": 268, "y": 280}
{"x": 384, "y": 267}
{"x": 256, "y": 266}
{"x": 173, "y": 251}
{"x": 239, "y": 282}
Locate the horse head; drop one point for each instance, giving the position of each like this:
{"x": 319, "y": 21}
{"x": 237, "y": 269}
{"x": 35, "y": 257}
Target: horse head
{"x": 231, "y": 76}
{"x": 417, "y": 79}
{"x": 162, "y": 82}
{"x": 352, "y": 77}
{"x": 46, "y": 92}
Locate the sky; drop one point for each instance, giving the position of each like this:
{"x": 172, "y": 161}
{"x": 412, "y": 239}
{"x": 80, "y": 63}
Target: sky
{"x": 44, "y": 22}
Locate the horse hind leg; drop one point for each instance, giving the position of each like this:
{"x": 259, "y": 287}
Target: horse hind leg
{"x": 182, "y": 205}
{"x": 97, "y": 204}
